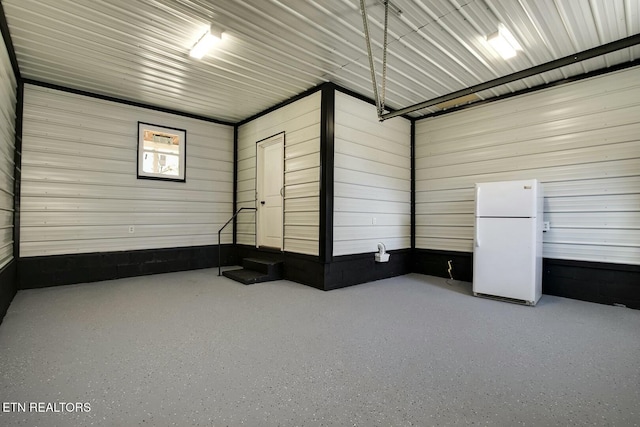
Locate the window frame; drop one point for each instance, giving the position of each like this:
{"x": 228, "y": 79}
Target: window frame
{"x": 182, "y": 152}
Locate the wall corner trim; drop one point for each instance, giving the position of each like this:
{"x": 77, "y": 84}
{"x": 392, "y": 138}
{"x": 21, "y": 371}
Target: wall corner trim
{"x": 413, "y": 184}
{"x": 235, "y": 183}
{"x": 327, "y": 137}
{"x": 6, "y": 35}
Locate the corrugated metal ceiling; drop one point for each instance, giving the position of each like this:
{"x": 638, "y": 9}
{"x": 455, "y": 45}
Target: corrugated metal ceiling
{"x": 275, "y": 49}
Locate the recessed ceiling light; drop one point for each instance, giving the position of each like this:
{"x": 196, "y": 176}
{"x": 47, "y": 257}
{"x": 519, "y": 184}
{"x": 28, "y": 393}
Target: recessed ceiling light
{"x": 504, "y": 43}
{"x": 206, "y": 42}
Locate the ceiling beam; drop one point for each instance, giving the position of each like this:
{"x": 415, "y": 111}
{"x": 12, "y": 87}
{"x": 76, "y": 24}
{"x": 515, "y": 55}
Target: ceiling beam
{"x": 538, "y": 69}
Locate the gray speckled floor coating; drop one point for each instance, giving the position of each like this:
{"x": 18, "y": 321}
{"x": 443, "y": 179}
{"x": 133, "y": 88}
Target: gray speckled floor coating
{"x": 195, "y": 349}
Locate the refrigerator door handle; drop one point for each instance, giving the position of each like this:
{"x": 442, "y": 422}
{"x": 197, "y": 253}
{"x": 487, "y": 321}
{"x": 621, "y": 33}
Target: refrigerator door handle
{"x": 475, "y": 237}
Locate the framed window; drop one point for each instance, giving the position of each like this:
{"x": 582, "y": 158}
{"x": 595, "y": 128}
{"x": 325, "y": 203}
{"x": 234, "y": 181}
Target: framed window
{"x": 162, "y": 152}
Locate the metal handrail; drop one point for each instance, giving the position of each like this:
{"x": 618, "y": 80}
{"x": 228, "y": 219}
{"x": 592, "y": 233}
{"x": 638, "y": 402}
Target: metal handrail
{"x": 220, "y": 231}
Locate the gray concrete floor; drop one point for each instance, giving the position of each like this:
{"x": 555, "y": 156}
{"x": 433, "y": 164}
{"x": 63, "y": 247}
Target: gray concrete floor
{"x": 194, "y": 349}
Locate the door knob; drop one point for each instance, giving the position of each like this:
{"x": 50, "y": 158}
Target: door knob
{"x": 262, "y": 202}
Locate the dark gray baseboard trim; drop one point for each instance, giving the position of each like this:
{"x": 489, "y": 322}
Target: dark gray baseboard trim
{"x": 604, "y": 283}
{"x": 8, "y": 288}
{"x": 435, "y": 263}
{"x": 43, "y": 271}
{"x": 346, "y": 270}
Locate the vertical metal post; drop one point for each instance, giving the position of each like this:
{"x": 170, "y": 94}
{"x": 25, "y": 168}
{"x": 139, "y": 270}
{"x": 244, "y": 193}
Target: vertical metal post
{"x": 219, "y": 256}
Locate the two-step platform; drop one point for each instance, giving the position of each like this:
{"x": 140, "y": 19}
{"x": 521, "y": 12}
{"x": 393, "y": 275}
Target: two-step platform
{"x": 256, "y": 270}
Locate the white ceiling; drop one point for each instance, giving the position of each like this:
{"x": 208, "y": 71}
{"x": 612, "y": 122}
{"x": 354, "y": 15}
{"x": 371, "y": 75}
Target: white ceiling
{"x": 275, "y": 49}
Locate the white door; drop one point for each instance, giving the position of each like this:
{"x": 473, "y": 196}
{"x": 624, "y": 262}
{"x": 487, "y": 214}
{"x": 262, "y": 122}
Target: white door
{"x": 270, "y": 192}
{"x": 504, "y": 257}
{"x": 507, "y": 199}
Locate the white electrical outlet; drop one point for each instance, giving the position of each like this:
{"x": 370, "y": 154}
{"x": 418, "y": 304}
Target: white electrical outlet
{"x": 373, "y": 221}
{"x": 546, "y": 226}
{"x": 132, "y": 229}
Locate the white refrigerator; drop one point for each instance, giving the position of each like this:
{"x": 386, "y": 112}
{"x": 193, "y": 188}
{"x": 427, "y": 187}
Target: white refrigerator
{"x": 507, "y": 255}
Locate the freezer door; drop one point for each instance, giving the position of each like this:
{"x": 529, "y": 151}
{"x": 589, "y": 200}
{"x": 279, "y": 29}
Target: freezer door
{"x": 504, "y": 258}
{"x": 507, "y": 199}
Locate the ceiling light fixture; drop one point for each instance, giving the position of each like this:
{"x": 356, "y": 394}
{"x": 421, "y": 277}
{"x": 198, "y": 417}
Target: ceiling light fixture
{"x": 206, "y": 42}
{"x": 504, "y": 43}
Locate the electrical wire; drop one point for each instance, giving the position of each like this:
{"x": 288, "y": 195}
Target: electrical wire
{"x": 450, "y": 280}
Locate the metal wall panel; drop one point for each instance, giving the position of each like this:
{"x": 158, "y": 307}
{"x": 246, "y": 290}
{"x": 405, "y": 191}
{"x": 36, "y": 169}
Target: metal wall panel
{"x": 581, "y": 140}
{"x": 8, "y": 87}
{"x": 372, "y": 179}
{"x": 273, "y": 50}
{"x": 300, "y": 122}
{"x": 80, "y": 192}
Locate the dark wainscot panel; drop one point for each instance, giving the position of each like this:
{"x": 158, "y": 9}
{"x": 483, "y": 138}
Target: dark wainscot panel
{"x": 604, "y": 283}
{"x": 8, "y": 287}
{"x": 350, "y": 270}
{"x": 435, "y": 263}
{"x": 42, "y": 271}
{"x": 344, "y": 271}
